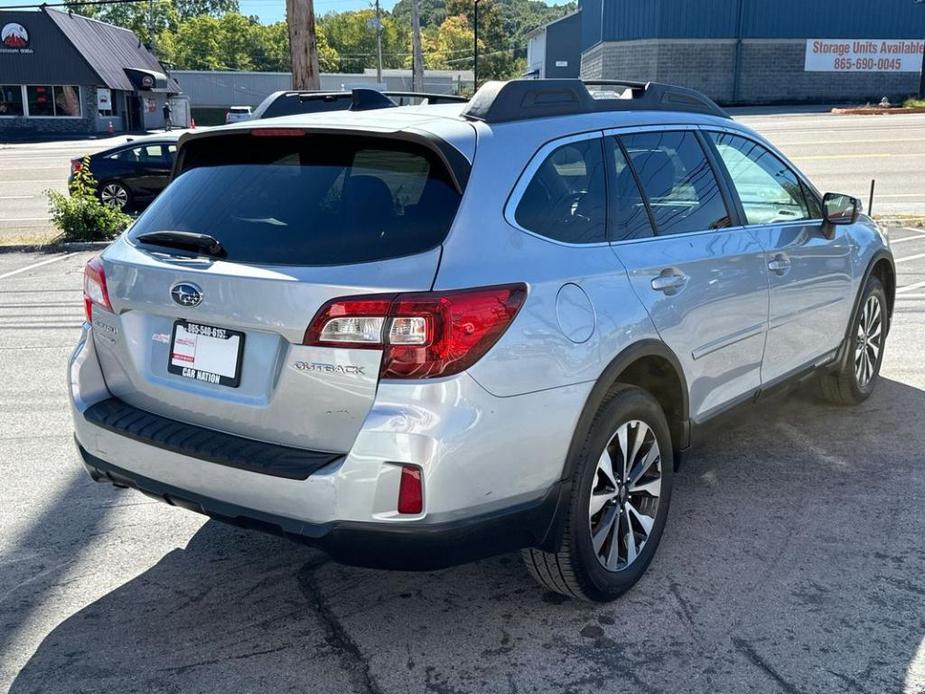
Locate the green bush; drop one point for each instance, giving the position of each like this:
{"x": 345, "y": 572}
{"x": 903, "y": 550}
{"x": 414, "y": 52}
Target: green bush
{"x": 81, "y": 216}
{"x": 912, "y": 102}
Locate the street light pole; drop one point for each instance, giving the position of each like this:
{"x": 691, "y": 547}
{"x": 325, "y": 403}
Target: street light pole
{"x": 475, "y": 61}
{"x": 378, "y": 44}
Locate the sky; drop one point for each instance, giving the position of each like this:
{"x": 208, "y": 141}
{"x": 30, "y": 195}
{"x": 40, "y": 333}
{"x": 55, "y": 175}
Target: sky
{"x": 270, "y": 11}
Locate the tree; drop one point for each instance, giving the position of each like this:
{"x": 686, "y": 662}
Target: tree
{"x": 496, "y": 54}
{"x": 196, "y": 8}
{"x": 353, "y": 36}
{"x": 449, "y": 46}
{"x": 303, "y": 44}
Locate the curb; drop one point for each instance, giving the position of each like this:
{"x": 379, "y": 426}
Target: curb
{"x": 876, "y": 111}
{"x": 66, "y": 247}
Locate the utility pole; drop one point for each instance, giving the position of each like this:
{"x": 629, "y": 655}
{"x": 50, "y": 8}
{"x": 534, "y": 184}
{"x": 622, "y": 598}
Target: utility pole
{"x": 303, "y": 46}
{"x": 922, "y": 76}
{"x": 378, "y": 43}
{"x": 151, "y": 39}
{"x": 417, "y": 58}
{"x": 475, "y": 52}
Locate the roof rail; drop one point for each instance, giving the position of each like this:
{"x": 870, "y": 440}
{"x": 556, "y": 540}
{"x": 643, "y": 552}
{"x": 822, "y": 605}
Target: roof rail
{"x": 499, "y": 102}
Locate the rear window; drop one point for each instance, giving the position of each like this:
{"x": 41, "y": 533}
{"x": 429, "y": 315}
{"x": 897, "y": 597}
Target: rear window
{"x": 291, "y": 104}
{"x": 308, "y": 200}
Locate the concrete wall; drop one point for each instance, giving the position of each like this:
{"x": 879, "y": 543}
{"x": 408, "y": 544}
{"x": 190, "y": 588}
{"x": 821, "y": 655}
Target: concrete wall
{"x": 771, "y": 71}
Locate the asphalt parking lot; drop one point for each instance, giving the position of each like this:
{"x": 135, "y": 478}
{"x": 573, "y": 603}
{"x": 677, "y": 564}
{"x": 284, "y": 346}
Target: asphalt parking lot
{"x": 792, "y": 562}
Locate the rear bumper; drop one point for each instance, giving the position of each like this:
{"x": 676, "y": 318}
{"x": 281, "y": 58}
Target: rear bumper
{"x": 491, "y": 469}
{"x": 419, "y": 547}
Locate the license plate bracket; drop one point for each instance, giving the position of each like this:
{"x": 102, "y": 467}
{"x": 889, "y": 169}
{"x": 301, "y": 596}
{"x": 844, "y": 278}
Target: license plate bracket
{"x": 206, "y": 353}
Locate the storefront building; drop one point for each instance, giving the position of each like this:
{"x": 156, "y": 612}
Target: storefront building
{"x": 65, "y": 74}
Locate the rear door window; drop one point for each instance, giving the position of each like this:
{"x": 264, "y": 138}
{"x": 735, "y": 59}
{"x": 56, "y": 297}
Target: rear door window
{"x": 565, "y": 199}
{"x": 628, "y": 216}
{"x": 308, "y": 200}
{"x": 678, "y": 181}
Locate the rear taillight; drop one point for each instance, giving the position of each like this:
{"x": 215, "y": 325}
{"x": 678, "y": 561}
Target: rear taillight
{"x": 423, "y": 334}
{"x": 76, "y": 165}
{"x": 95, "y": 291}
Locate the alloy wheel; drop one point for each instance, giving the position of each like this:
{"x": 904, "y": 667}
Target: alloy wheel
{"x": 114, "y": 195}
{"x": 625, "y": 495}
{"x": 869, "y": 341}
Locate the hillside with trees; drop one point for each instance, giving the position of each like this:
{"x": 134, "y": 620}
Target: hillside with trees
{"x": 213, "y": 35}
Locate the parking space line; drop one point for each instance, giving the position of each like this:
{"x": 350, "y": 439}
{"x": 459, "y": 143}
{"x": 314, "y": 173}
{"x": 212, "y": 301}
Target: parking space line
{"x": 893, "y": 242}
{"x": 909, "y": 257}
{"x": 35, "y": 265}
{"x": 917, "y": 231}
{"x": 910, "y": 287}
{"x": 910, "y": 297}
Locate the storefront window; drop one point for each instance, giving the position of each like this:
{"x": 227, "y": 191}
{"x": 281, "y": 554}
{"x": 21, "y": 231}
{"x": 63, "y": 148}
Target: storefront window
{"x": 50, "y": 101}
{"x": 40, "y": 101}
{"x": 10, "y": 100}
{"x": 67, "y": 101}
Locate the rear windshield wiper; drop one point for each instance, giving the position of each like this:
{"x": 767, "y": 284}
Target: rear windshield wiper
{"x": 185, "y": 239}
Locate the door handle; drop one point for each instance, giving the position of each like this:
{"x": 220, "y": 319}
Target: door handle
{"x": 779, "y": 264}
{"x": 669, "y": 282}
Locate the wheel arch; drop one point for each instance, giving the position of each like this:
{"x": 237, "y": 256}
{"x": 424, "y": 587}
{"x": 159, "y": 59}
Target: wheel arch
{"x": 882, "y": 266}
{"x": 649, "y": 364}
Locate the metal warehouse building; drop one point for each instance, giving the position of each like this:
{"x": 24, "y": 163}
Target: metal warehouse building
{"x": 66, "y": 74}
{"x": 758, "y": 51}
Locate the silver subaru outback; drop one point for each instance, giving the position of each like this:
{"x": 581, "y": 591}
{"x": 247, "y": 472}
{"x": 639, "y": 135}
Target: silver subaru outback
{"x": 419, "y": 336}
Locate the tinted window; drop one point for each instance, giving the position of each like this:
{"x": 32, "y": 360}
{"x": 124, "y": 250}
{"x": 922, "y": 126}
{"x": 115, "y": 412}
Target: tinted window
{"x": 311, "y": 200}
{"x": 676, "y": 177}
{"x": 565, "y": 199}
{"x": 10, "y": 100}
{"x": 289, "y": 104}
{"x": 629, "y": 218}
{"x": 769, "y": 191}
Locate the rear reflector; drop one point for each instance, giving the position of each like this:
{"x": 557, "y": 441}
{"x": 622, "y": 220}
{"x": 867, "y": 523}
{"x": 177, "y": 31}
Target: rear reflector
{"x": 95, "y": 290}
{"x": 423, "y": 334}
{"x": 410, "y": 492}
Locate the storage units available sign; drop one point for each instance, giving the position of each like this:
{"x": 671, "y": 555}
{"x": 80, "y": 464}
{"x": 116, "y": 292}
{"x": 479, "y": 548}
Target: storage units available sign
{"x": 863, "y": 55}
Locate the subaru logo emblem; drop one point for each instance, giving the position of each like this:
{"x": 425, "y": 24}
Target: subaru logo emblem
{"x": 186, "y": 294}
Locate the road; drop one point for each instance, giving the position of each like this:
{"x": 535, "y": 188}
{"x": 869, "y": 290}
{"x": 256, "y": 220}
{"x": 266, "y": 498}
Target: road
{"x": 792, "y": 560}
{"x": 26, "y": 172}
{"x": 838, "y": 153}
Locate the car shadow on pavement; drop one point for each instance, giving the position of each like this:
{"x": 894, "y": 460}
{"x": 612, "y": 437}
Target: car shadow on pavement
{"x": 792, "y": 562}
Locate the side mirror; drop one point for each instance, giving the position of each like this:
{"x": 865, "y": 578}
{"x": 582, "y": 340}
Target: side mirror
{"x": 840, "y": 209}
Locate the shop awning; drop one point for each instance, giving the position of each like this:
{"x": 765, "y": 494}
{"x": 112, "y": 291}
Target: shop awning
{"x": 146, "y": 80}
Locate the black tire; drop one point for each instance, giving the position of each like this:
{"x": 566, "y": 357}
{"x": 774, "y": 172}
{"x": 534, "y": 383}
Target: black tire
{"x": 576, "y": 569}
{"x": 844, "y": 385}
{"x": 110, "y": 191}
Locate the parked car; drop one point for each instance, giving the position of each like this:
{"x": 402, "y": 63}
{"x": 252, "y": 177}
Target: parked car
{"x": 425, "y": 335}
{"x": 236, "y": 114}
{"x": 129, "y": 176}
{"x": 288, "y": 103}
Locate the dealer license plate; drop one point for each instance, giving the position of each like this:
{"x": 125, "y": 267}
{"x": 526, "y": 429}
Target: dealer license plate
{"x": 206, "y": 353}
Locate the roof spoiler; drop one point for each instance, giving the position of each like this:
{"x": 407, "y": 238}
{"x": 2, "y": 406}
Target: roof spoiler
{"x": 500, "y": 102}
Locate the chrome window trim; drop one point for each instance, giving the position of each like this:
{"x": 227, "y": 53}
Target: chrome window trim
{"x": 526, "y": 176}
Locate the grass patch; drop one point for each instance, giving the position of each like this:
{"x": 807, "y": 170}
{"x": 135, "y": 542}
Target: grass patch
{"x": 913, "y": 102}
